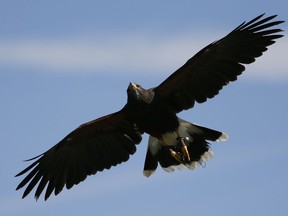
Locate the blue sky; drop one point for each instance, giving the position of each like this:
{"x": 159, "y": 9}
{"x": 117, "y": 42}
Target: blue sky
{"x": 63, "y": 63}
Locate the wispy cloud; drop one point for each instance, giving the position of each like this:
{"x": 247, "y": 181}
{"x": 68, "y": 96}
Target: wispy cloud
{"x": 132, "y": 53}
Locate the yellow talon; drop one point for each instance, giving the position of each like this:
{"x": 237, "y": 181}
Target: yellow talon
{"x": 176, "y": 156}
{"x": 182, "y": 156}
{"x": 185, "y": 152}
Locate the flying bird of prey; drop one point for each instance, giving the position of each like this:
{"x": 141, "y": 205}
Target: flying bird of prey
{"x": 173, "y": 143}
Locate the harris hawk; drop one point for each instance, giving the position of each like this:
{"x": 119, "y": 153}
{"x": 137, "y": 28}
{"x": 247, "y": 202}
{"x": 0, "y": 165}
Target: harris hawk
{"x": 173, "y": 143}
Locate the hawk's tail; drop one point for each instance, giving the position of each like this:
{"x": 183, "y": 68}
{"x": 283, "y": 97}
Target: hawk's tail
{"x": 197, "y": 146}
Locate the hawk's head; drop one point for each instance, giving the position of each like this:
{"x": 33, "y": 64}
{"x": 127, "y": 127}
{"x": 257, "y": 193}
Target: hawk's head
{"x": 137, "y": 94}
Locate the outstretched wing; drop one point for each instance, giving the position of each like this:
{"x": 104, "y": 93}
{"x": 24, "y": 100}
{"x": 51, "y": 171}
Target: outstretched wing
{"x": 204, "y": 75}
{"x": 92, "y": 147}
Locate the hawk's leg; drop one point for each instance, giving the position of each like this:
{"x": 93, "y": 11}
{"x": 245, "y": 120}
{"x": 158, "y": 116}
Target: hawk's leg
{"x": 180, "y": 152}
{"x": 184, "y": 148}
{"x": 177, "y": 156}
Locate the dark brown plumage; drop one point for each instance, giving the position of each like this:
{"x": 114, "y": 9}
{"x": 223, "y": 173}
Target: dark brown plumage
{"x": 173, "y": 143}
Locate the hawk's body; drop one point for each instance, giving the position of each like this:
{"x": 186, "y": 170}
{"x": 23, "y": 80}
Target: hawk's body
{"x": 157, "y": 118}
{"x": 173, "y": 143}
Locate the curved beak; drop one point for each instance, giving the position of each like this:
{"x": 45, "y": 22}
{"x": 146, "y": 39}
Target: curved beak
{"x": 133, "y": 85}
